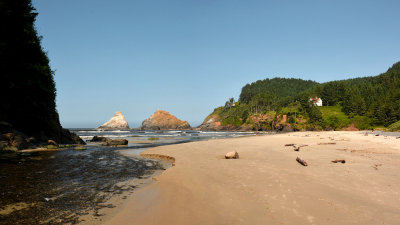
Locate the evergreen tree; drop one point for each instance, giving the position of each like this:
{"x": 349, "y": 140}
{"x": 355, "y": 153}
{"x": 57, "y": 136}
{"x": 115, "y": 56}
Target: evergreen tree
{"x": 27, "y": 86}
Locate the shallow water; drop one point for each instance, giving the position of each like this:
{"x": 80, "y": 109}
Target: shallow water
{"x": 60, "y": 186}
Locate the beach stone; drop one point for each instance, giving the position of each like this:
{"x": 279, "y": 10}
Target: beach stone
{"x": 232, "y": 155}
{"x": 111, "y": 142}
{"x": 100, "y": 139}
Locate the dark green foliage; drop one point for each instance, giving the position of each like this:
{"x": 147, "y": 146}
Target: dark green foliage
{"x": 27, "y": 87}
{"x": 280, "y": 91}
{"x": 332, "y": 93}
{"x": 315, "y": 115}
{"x": 366, "y": 102}
{"x": 332, "y": 122}
{"x": 291, "y": 119}
{"x": 395, "y": 126}
{"x": 362, "y": 122}
{"x": 375, "y": 97}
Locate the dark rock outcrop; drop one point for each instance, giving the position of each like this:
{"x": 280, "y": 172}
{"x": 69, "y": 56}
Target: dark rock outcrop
{"x": 163, "y": 120}
{"x": 113, "y": 142}
{"x": 14, "y": 141}
{"x": 213, "y": 123}
{"x": 99, "y": 139}
{"x": 11, "y": 139}
{"x": 108, "y": 141}
{"x": 67, "y": 137}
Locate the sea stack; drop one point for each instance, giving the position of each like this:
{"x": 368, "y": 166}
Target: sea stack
{"x": 163, "y": 120}
{"x": 116, "y": 122}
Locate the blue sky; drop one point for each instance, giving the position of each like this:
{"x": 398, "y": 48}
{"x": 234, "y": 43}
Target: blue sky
{"x": 189, "y": 57}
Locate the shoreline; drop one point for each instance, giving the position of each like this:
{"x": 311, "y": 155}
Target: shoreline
{"x": 119, "y": 202}
{"x": 267, "y": 185}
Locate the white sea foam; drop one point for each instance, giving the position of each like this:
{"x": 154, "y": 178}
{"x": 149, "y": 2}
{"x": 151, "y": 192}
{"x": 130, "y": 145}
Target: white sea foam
{"x": 86, "y": 137}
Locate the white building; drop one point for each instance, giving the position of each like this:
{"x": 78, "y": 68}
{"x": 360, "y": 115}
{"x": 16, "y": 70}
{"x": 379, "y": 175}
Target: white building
{"x": 316, "y": 101}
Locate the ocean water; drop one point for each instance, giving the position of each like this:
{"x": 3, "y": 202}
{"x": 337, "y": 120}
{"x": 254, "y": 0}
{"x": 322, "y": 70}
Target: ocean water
{"x": 144, "y": 139}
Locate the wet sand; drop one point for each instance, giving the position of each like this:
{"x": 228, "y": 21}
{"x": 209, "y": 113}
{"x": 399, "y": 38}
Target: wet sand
{"x": 69, "y": 186}
{"x": 268, "y": 186}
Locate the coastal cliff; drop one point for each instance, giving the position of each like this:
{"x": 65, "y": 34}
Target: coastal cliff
{"x": 217, "y": 121}
{"x": 27, "y": 106}
{"x": 163, "y": 120}
{"x": 118, "y": 121}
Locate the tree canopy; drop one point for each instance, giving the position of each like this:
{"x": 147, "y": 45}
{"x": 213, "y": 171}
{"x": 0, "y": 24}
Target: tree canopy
{"x": 367, "y": 101}
{"x": 27, "y": 86}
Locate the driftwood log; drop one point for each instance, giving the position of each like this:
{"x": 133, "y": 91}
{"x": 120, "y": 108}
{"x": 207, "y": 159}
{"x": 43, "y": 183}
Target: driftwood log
{"x": 301, "y": 161}
{"x": 290, "y": 144}
{"x": 339, "y": 160}
{"x": 327, "y": 143}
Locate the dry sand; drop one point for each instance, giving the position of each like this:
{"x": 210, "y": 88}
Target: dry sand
{"x": 268, "y": 186}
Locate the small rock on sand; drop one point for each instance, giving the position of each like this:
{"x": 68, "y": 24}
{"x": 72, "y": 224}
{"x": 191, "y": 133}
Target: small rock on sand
{"x": 232, "y": 155}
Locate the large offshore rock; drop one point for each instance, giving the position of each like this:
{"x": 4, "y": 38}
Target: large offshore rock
{"x": 116, "y": 122}
{"x": 163, "y": 120}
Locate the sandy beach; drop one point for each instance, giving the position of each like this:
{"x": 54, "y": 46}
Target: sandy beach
{"x": 268, "y": 186}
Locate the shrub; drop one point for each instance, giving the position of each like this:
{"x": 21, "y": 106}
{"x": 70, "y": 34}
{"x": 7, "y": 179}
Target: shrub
{"x": 362, "y": 122}
{"x": 395, "y": 126}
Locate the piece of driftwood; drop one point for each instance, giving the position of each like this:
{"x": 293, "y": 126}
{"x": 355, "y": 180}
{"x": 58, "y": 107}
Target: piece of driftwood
{"x": 375, "y": 166}
{"x": 398, "y": 137}
{"x": 339, "y": 160}
{"x": 327, "y": 143}
{"x": 290, "y": 144}
{"x": 301, "y": 161}
{"x": 296, "y": 148}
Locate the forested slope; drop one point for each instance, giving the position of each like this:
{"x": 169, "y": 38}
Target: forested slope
{"x": 276, "y": 103}
{"x": 28, "y": 91}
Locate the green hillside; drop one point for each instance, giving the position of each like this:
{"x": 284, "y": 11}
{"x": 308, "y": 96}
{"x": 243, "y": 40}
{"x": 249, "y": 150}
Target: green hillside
{"x": 363, "y": 102}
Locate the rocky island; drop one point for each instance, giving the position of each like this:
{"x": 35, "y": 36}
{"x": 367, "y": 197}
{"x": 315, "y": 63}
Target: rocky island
{"x": 118, "y": 121}
{"x": 163, "y": 120}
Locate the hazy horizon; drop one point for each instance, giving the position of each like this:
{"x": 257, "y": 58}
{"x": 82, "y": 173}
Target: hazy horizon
{"x": 189, "y": 57}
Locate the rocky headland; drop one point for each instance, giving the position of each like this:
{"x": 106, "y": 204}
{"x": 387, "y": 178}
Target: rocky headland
{"x": 118, "y": 121}
{"x": 215, "y": 122}
{"x": 28, "y": 114}
{"x": 163, "y": 120}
